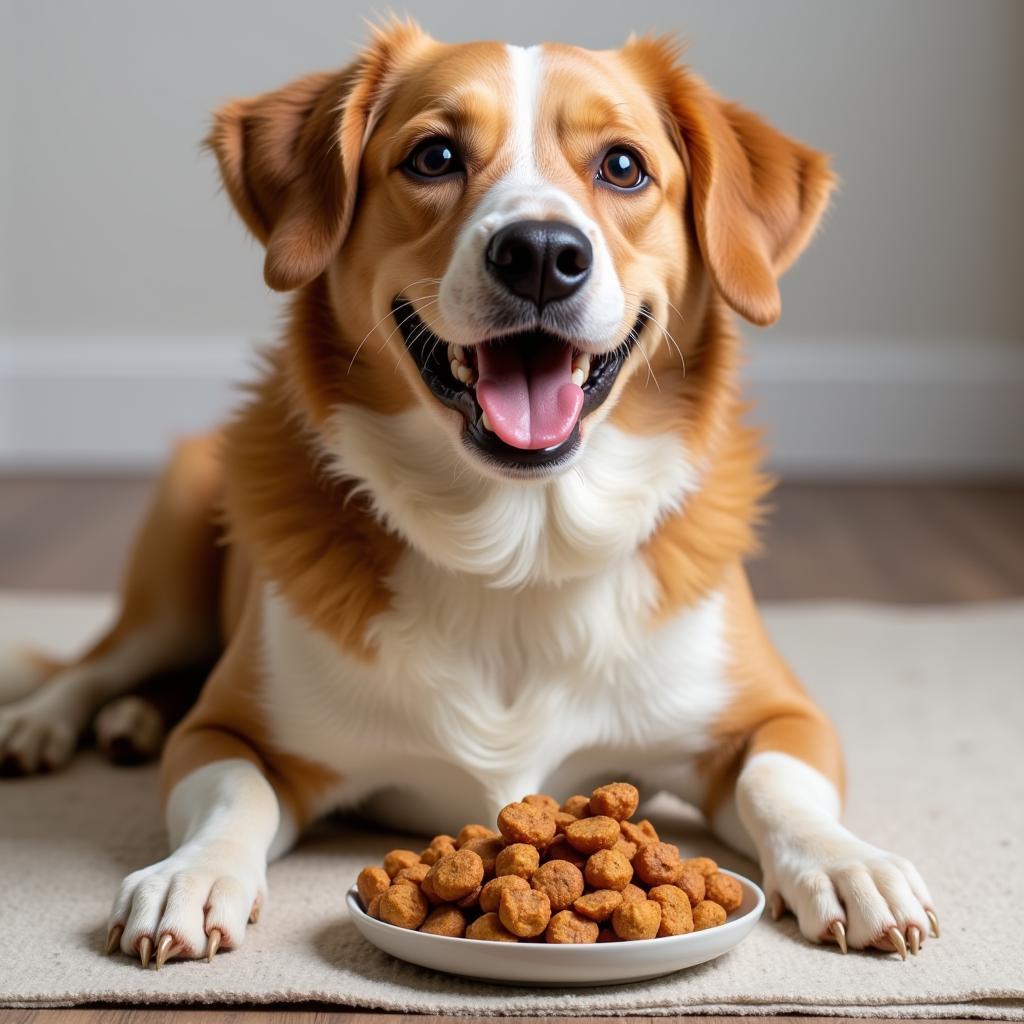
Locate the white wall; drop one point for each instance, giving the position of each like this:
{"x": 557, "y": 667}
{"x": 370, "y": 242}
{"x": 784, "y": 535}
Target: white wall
{"x": 113, "y": 231}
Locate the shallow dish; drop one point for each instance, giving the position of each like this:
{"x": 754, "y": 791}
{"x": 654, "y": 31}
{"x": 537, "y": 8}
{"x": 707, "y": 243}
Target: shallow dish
{"x": 531, "y": 963}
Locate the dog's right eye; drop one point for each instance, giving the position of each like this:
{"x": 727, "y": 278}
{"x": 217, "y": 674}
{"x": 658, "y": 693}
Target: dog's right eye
{"x": 435, "y": 158}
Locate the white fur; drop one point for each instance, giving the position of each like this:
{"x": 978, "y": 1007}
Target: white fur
{"x": 822, "y": 871}
{"x": 593, "y": 318}
{"x": 223, "y": 819}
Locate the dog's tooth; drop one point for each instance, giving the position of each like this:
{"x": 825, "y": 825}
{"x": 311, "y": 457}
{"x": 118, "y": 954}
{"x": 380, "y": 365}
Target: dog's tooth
{"x": 485, "y": 420}
{"x": 582, "y": 362}
{"x": 455, "y": 368}
{"x": 464, "y": 373}
{"x": 578, "y": 377}
{"x": 452, "y": 357}
{"x": 460, "y": 353}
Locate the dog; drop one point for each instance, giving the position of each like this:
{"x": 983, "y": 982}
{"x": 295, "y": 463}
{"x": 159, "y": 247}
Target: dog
{"x": 478, "y": 529}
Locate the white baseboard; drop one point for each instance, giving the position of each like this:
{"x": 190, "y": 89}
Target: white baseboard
{"x": 908, "y": 409}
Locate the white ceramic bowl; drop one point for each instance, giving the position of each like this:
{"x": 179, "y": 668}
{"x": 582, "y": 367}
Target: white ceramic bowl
{"x": 529, "y": 963}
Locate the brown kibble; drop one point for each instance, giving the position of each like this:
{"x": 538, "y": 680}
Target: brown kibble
{"x": 395, "y": 860}
{"x": 561, "y": 881}
{"x": 707, "y": 915}
{"x": 415, "y": 874}
{"x": 439, "y": 846}
{"x": 625, "y": 847}
{"x": 569, "y": 927}
{"x": 470, "y": 899}
{"x": 617, "y": 800}
{"x": 487, "y": 849}
{"x": 372, "y": 881}
{"x": 692, "y": 883}
{"x": 468, "y": 832}
{"x": 490, "y": 894}
{"x": 562, "y": 819}
{"x": 456, "y": 875}
{"x": 543, "y": 801}
{"x": 676, "y": 917}
{"x": 489, "y": 928}
{"x": 404, "y": 906}
{"x": 639, "y": 920}
{"x": 588, "y": 835}
{"x": 578, "y": 806}
{"x": 598, "y": 905}
{"x": 373, "y": 908}
{"x": 657, "y": 863}
{"x": 704, "y": 865}
{"x": 524, "y": 914}
{"x": 639, "y": 832}
{"x": 561, "y": 850}
{"x": 520, "y": 859}
{"x": 608, "y": 869}
{"x": 723, "y": 890}
{"x": 607, "y": 935}
{"x": 427, "y": 888}
{"x": 633, "y": 894}
{"x": 446, "y": 920}
{"x": 524, "y": 823}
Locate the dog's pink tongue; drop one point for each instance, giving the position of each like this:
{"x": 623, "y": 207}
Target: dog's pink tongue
{"x": 527, "y": 392}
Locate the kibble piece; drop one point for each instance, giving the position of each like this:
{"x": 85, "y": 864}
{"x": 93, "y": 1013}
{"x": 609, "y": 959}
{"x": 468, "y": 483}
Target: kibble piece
{"x": 608, "y": 869}
{"x": 439, "y": 846}
{"x": 598, "y": 905}
{"x": 404, "y": 906}
{"x": 625, "y": 847}
{"x": 617, "y": 800}
{"x": 520, "y": 859}
{"x": 676, "y": 916}
{"x": 446, "y": 920}
{"x": 562, "y": 819}
{"x": 588, "y": 835}
{"x": 707, "y": 915}
{"x": 569, "y": 927}
{"x": 692, "y": 883}
{"x": 489, "y": 928}
{"x": 456, "y": 875}
{"x": 524, "y": 823}
{"x": 723, "y": 890}
{"x": 490, "y": 894}
{"x": 639, "y": 832}
{"x": 427, "y": 888}
{"x": 543, "y": 801}
{"x": 487, "y": 849}
{"x": 468, "y": 832}
{"x": 395, "y": 860}
{"x": 561, "y": 881}
{"x": 578, "y": 806}
{"x": 373, "y": 907}
{"x": 524, "y": 913}
{"x": 415, "y": 874}
{"x": 657, "y": 863}
{"x": 371, "y": 882}
{"x": 469, "y": 901}
{"x": 607, "y": 935}
{"x": 561, "y": 850}
{"x": 705, "y": 865}
{"x": 639, "y": 920}
{"x": 633, "y": 894}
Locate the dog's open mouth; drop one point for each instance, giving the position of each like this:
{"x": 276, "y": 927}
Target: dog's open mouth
{"x": 522, "y": 396}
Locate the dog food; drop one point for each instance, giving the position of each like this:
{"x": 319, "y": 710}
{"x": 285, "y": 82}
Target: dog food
{"x": 576, "y": 872}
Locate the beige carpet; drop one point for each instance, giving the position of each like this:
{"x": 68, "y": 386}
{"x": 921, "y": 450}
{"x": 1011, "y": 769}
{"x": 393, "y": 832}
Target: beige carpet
{"x": 931, "y": 704}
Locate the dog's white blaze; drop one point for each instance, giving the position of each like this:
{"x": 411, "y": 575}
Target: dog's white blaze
{"x": 478, "y": 694}
{"x": 526, "y": 68}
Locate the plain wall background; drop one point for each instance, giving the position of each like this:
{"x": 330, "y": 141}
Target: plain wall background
{"x": 113, "y": 225}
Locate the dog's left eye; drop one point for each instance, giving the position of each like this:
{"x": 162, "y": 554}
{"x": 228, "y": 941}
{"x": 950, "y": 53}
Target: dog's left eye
{"x": 434, "y": 158}
{"x": 622, "y": 168}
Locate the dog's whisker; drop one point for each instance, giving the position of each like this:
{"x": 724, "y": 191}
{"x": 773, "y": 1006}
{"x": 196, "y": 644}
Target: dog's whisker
{"x": 411, "y": 284}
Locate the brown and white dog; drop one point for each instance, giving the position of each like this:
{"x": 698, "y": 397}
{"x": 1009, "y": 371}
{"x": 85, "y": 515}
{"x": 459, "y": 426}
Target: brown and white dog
{"x": 485, "y": 511}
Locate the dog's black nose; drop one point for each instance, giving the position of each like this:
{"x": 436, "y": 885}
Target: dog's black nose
{"x": 540, "y": 260}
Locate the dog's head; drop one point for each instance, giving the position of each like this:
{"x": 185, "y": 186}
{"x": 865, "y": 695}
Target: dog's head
{"x": 514, "y": 229}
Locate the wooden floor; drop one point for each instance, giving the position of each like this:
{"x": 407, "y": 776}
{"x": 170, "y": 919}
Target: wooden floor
{"x": 875, "y": 543}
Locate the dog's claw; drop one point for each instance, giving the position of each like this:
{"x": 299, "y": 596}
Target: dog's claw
{"x": 934, "y": 922}
{"x": 914, "y": 935}
{"x": 114, "y": 938}
{"x": 213, "y": 945}
{"x": 145, "y": 950}
{"x": 896, "y": 938}
{"x": 838, "y": 932}
{"x": 776, "y": 906}
{"x": 163, "y": 949}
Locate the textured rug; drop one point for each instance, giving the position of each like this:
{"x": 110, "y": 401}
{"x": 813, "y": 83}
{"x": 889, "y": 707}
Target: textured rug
{"x": 931, "y": 705}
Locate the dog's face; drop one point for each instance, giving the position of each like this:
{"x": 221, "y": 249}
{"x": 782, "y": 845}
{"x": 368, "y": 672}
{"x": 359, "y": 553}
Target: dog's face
{"x": 515, "y": 230}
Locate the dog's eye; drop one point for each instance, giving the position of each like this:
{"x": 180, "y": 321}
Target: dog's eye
{"x": 622, "y": 168}
{"x": 434, "y": 158}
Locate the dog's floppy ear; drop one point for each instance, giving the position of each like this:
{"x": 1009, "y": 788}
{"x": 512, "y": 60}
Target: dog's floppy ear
{"x": 290, "y": 158}
{"x": 757, "y": 195}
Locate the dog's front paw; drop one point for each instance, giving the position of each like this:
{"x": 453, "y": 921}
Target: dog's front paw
{"x": 36, "y": 734}
{"x": 192, "y": 904}
{"x": 846, "y": 891}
